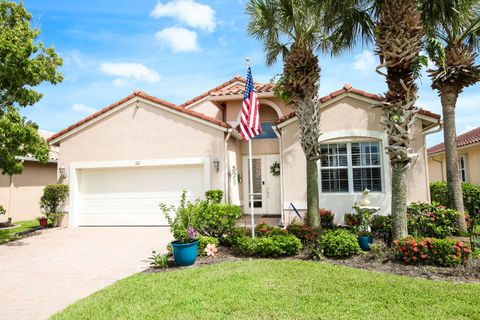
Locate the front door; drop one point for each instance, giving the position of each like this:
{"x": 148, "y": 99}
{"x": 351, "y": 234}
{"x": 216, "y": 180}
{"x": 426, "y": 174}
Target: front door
{"x": 266, "y": 184}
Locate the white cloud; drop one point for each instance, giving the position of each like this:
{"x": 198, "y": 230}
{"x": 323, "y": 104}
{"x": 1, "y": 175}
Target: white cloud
{"x": 74, "y": 58}
{"x": 124, "y": 71}
{"x": 364, "y": 62}
{"x": 83, "y": 108}
{"x": 178, "y": 39}
{"x": 190, "y": 12}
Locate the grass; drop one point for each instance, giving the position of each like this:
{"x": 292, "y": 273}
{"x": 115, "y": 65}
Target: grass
{"x": 8, "y": 235}
{"x": 277, "y": 289}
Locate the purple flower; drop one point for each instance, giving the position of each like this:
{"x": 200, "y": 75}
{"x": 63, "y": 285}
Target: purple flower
{"x": 191, "y": 233}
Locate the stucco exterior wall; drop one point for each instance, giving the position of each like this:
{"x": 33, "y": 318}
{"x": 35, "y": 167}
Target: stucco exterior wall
{"x": 348, "y": 120}
{"x": 266, "y": 114}
{"x": 437, "y": 166}
{"x": 145, "y": 132}
{"x": 21, "y": 200}
{"x": 208, "y": 108}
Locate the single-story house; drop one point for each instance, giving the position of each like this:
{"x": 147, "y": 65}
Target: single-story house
{"x": 125, "y": 159}
{"x": 20, "y": 194}
{"x": 468, "y": 145}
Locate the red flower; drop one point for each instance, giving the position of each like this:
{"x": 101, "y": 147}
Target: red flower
{"x": 413, "y": 243}
{"x": 395, "y": 242}
{"x": 460, "y": 244}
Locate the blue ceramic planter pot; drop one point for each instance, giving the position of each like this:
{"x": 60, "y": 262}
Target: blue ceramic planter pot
{"x": 365, "y": 242}
{"x": 184, "y": 254}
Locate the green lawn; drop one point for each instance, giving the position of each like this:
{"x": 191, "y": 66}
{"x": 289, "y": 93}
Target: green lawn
{"x": 277, "y": 289}
{"x": 8, "y": 235}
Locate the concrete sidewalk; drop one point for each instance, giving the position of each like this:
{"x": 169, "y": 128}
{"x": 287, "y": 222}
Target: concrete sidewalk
{"x": 43, "y": 274}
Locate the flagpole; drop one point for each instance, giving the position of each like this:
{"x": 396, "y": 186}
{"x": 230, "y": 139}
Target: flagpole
{"x": 250, "y": 178}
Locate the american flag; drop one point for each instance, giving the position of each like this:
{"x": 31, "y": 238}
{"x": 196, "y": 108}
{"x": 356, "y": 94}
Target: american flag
{"x": 250, "y": 119}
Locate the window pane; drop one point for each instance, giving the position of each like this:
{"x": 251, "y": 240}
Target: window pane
{"x": 369, "y": 178}
{"x": 267, "y": 131}
{"x": 334, "y": 180}
{"x": 334, "y": 155}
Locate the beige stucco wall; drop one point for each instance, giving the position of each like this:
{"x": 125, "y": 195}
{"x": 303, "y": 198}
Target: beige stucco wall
{"x": 208, "y": 108}
{"x": 347, "y": 120}
{"x": 437, "y": 165}
{"x": 21, "y": 200}
{"x": 266, "y": 111}
{"x": 145, "y": 133}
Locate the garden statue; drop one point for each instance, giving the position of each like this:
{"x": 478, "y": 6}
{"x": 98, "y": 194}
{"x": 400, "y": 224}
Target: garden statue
{"x": 364, "y": 202}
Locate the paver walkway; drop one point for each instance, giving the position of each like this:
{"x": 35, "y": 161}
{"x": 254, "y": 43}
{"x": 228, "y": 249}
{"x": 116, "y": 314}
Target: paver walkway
{"x": 43, "y": 274}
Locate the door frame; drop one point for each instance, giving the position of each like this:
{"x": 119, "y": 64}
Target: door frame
{"x": 75, "y": 167}
{"x": 246, "y": 199}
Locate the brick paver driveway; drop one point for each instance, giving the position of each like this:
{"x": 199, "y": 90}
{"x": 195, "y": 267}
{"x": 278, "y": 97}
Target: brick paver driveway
{"x": 41, "y": 275}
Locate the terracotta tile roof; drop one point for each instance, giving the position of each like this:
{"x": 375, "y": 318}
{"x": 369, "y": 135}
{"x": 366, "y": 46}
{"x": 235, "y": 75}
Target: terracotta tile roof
{"x": 465, "y": 139}
{"x": 347, "y": 88}
{"x": 239, "y": 89}
{"x": 143, "y": 95}
{"x": 217, "y": 88}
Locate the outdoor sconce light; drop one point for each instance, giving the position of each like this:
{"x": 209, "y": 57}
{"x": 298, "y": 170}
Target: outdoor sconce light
{"x": 216, "y": 165}
{"x": 62, "y": 172}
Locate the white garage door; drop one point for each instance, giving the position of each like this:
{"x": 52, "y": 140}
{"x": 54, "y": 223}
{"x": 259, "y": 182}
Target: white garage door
{"x": 130, "y": 196}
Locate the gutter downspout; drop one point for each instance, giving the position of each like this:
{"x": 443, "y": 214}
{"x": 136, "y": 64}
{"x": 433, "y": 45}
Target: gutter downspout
{"x": 278, "y": 133}
{"x": 226, "y": 167}
{"x": 425, "y": 134}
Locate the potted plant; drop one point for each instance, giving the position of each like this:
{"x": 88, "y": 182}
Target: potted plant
{"x": 365, "y": 237}
{"x": 43, "y": 221}
{"x": 185, "y": 245}
{"x": 54, "y": 197}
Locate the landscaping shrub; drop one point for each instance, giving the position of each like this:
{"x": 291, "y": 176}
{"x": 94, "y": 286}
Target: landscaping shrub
{"x": 214, "y": 196}
{"x": 214, "y": 219}
{"x": 431, "y": 220}
{"x": 381, "y": 223}
{"x": 274, "y": 246}
{"x": 440, "y": 252}
{"x": 2, "y": 210}
{"x": 203, "y": 241}
{"x": 352, "y": 221}
{"x": 471, "y": 196}
{"x": 305, "y": 233}
{"x": 181, "y": 223}
{"x": 265, "y": 230}
{"x": 339, "y": 244}
{"x": 326, "y": 217}
{"x": 53, "y": 197}
{"x": 233, "y": 234}
{"x": 158, "y": 261}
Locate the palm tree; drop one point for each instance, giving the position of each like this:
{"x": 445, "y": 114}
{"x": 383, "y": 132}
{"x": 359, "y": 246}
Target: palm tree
{"x": 398, "y": 33}
{"x": 453, "y": 34}
{"x": 292, "y": 29}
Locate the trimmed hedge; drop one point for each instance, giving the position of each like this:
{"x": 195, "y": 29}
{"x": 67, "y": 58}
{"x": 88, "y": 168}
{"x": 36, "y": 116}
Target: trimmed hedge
{"x": 274, "y": 246}
{"x": 471, "y": 196}
{"x": 440, "y": 252}
{"x": 339, "y": 244}
{"x": 431, "y": 220}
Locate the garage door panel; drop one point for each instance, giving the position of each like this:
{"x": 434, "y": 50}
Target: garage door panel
{"x": 131, "y": 196}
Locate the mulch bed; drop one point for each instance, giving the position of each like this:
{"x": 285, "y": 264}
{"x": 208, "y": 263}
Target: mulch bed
{"x": 470, "y": 273}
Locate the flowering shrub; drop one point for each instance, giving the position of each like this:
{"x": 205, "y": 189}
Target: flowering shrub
{"x": 352, "y": 221}
{"x": 431, "y": 220}
{"x": 303, "y": 232}
{"x": 339, "y": 244}
{"x": 262, "y": 230}
{"x": 326, "y": 216}
{"x": 274, "y": 246}
{"x": 204, "y": 241}
{"x": 381, "y": 223}
{"x": 441, "y": 252}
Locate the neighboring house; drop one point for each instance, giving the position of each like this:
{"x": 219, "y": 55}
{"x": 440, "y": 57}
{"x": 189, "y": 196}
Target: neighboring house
{"x": 468, "y": 145}
{"x": 20, "y": 194}
{"x": 125, "y": 159}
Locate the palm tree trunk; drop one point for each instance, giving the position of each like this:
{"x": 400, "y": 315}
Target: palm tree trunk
{"x": 313, "y": 216}
{"x": 449, "y": 97}
{"x": 399, "y": 203}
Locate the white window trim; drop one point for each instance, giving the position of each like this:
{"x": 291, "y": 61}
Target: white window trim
{"x": 465, "y": 167}
{"x": 350, "y": 168}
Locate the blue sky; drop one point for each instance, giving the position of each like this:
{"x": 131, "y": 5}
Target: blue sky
{"x": 176, "y": 50}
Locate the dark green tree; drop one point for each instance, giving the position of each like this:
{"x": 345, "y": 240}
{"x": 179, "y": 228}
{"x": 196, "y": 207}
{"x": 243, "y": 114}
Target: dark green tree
{"x": 25, "y": 62}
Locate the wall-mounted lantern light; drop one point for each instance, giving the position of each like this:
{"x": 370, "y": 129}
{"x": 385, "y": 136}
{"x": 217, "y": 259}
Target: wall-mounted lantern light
{"x": 63, "y": 173}
{"x": 216, "y": 165}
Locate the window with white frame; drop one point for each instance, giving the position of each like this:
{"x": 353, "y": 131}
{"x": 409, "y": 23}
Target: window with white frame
{"x": 351, "y": 167}
{"x": 462, "y": 167}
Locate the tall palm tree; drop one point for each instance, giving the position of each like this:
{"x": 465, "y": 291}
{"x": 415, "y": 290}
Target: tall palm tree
{"x": 291, "y": 29}
{"x": 398, "y": 33}
{"x": 453, "y": 34}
